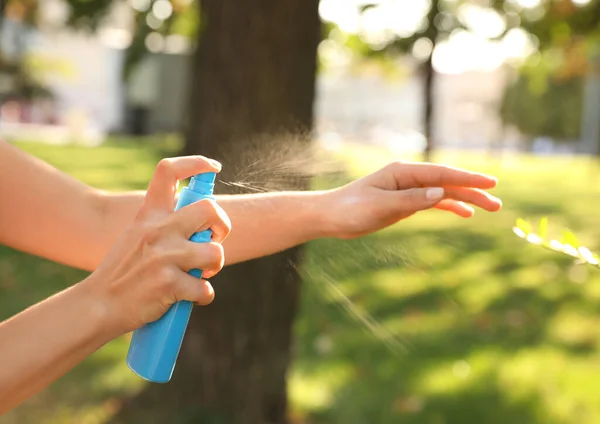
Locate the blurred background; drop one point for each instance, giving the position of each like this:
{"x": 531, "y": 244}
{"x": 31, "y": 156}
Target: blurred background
{"x": 435, "y": 320}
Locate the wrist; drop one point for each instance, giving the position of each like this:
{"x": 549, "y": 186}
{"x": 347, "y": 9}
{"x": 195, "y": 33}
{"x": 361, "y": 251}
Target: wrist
{"x": 323, "y": 216}
{"x": 100, "y": 311}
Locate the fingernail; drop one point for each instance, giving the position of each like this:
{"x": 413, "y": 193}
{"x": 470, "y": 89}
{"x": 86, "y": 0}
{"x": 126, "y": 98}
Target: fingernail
{"x": 216, "y": 164}
{"x": 434, "y": 193}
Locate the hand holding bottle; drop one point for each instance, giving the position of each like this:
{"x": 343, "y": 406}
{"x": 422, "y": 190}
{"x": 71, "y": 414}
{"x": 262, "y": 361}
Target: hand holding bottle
{"x": 146, "y": 271}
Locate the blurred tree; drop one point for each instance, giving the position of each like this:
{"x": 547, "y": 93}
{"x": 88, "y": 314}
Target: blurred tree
{"x": 22, "y": 83}
{"x": 151, "y": 17}
{"x": 435, "y": 27}
{"x": 441, "y": 18}
{"x": 546, "y": 97}
{"x": 564, "y": 24}
{"x": 543, "y": 102}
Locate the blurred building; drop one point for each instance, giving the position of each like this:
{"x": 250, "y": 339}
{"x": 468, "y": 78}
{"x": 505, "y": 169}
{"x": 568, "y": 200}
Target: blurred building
{"x": 376, "y": 110}
{"x": 82, "y": 73}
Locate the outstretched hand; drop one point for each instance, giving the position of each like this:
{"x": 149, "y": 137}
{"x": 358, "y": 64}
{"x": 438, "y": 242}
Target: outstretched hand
{"x": 401, "y": 189}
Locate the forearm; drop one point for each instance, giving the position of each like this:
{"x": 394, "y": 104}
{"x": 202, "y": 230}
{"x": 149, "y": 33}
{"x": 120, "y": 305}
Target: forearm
{"x": 44, "y": 342}
{"x": 262, "y": 224}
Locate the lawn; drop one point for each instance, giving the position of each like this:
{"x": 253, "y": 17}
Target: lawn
{"x": 437, "y": 320}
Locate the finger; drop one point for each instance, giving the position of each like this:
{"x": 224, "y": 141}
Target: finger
{"x": 202, "y": 215}
{"x": 162, "y": 187}
{"x": 456, "y": 207}
{"x": 475, "y": 197}
{"x": 416, "y": 199}
{"x": 194, "y": 290}
{"x": 411, "y": 175}
{"x": 209, "y": 257}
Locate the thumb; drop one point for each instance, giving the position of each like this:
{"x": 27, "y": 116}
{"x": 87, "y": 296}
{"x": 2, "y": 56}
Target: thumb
{"x": 416, "y": 199}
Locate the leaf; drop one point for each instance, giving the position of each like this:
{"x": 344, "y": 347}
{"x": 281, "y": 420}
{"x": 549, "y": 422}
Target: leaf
{"x": 568, "y": 246}
{"x": 571, "y": 251}
{"x": 524, "y": 226}
{"x": 570, "y": 238}
{"x": 367, "y": 6}
{"x": 519, "y": 232}
{"x": 534, "y": 239}
{"x": 543, "y": 228}
{"x": 556, "y": 245}
{"x": 587, "y": 255}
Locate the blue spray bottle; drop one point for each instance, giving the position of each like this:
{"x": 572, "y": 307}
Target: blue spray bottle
{"x": 155, "y": 346}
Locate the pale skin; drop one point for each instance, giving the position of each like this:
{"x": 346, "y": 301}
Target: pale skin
{"x": 137, "y": 249}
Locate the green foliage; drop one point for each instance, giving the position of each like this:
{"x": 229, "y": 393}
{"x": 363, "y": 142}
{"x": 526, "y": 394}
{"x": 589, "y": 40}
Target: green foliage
{"x": 22, "y": 10}
{"x": 546, "y": 97}
{"x": 24, "y": 84}
{"x": 541, "y": 105}
{"x": 558, "y": 23}
{"x": 87, "y": 15}
{"x": 441, "y": 18}
{"x": 184, "y": 21}
{"x": 568, "y": 245}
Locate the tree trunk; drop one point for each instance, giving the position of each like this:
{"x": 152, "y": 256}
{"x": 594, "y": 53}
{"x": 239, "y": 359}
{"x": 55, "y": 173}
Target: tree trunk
{"x": 432, "y": 34}
{"x": 2, "y": 9}
{"x": 428, "y": 87}
{"x": 253, "y": 84}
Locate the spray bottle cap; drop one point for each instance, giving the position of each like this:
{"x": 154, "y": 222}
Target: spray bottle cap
{"x": 203, "y": 183}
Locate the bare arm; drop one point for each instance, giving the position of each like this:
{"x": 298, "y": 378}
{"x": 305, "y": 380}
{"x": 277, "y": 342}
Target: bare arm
{"x": 45, "y": 341}
{"x": 47, "y": 213}
{"x": 52, "y": 215}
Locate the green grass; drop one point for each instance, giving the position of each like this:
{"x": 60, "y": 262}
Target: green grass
{"x": 436, "y": 320}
